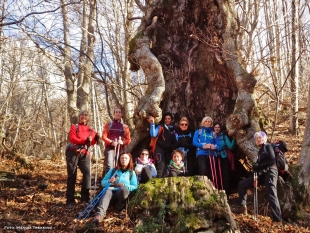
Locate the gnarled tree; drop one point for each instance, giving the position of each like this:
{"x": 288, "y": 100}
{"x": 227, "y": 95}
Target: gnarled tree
{"x": 187, "y": 50}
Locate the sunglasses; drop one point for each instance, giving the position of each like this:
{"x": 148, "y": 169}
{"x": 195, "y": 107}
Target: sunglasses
{"x": 144, "y": 154}
{"x": 83, "y": 114}
{"x": 183, "y": 124}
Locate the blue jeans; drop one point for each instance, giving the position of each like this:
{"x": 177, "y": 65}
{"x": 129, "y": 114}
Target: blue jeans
{"x": 120, "y": 195}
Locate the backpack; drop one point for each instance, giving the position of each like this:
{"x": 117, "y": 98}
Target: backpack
{"x": 154, "y": 140}
{"x": 110, "y": 125}
{"x": 71, "y": 145}
{"x": 279, "y": 148}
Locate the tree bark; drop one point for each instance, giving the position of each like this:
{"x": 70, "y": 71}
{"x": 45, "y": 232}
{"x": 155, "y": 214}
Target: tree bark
{"x": 194, "y": 52}
{"x": 294, "y": 70}
{"x": 70, "y": 79}
{"x": 304, "y": 159}
{"x": 83, "y": 90}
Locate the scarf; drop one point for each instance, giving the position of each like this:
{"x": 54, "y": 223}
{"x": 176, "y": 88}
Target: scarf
{"x": 175, "y": 167}
{"x": 140, "y": 161}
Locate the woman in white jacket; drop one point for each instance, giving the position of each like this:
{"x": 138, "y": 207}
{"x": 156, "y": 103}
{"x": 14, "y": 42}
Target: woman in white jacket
{"x": 144, "y": 167}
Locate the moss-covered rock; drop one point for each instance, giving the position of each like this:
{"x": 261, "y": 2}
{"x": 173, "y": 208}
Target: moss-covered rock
{"x": 180, "y": 204}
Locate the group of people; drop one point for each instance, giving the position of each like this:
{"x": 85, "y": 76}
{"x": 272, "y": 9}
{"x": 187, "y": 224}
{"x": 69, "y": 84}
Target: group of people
{"x": 176, "y": 152}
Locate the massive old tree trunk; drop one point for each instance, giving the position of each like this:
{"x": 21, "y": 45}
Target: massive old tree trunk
{"x": 181, "y": 204}
{"x": 187, "y": 50}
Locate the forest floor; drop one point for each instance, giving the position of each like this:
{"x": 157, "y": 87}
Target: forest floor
{"x": 36, "y": 208}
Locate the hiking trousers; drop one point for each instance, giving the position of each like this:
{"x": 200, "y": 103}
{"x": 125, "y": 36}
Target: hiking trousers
{"x": 146, "y": 175}
{"x": 162, "y": 158}
{"x": 110, "y": 158}
{"x": 120, "y": 195}
{"x": 73, "y": 162}
{"x": 270, "y": 180}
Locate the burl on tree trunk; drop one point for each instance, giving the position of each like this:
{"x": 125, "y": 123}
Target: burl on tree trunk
{"x": 181, "y": 204}
{"x": 187, "y": 50}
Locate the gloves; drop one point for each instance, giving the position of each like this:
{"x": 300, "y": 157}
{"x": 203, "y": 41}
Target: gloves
{"x": 97, "y": 137}
{"x": 255, "y": 166}
{"x": 87, "y": 141}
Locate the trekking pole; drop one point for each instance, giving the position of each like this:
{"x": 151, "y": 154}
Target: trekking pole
{"x": 115, "y": 149}
{"x": 211, "y": 166}
{"x": 214, "y": 169}
{"x": 118, "y": 149}
{"x": 96, "y": 167}
{"x": 185, "y": 158}
{"x": 90, "y": 176}
{"x": 94, "y": 202}
{"x": 220, "y": 170}
{"x": 255, "y": 197}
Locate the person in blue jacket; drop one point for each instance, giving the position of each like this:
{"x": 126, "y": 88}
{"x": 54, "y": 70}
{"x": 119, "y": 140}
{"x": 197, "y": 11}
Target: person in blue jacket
{"x": 223, "y": 145}
{"x": 124, "y": 181}
{"x": 204, "y": 141}
{"x": 184, "y": 138}
{"x": 163, "y": 141}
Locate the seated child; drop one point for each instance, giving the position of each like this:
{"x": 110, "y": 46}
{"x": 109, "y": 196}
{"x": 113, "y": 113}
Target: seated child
{"x": 176, "y": 166}
{"x": 144, "y": 167}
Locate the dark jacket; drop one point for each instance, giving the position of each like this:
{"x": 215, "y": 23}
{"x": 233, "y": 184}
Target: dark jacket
{"x": 166, "y": 139}
{"x": 184, "y": 139}
{"x": 266, "y": 158}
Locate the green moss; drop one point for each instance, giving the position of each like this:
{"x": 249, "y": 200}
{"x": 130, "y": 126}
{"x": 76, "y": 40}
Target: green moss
{"x": 145, "y": 204}
{"x": 176, "y": 204}
{"x": 132, "y": 42}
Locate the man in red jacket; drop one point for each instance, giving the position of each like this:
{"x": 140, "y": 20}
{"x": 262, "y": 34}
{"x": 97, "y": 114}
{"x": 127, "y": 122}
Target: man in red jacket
{"x": 115, "y": 134}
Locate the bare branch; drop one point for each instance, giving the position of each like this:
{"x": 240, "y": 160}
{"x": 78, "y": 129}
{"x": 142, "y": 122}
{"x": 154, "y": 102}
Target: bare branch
{"x": 37, "y": 13}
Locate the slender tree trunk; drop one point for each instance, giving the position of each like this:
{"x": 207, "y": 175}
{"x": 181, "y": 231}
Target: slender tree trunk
{"x": 128, "y": 98}
{"x": 70, "y": 79}
{"x": 82, "y": 59}
{"x": 52, "y": 134}
{"x": 3, "y": 7}
{"x": 294, "y": 69}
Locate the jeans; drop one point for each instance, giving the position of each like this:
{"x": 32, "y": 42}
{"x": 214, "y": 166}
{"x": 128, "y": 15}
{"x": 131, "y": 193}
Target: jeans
{"x": 120, "y": 195}
{"x": 73, "y": 162}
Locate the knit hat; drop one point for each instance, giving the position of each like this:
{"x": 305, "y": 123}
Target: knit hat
{"x": 262, "y": 134}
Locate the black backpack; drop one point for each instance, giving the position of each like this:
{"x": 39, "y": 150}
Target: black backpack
{"x": 279, "y": 148}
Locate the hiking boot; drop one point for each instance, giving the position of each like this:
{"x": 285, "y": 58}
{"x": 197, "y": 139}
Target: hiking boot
{"x": 98, "y": 219}
{"x": 242, "y": 209}
{"x": 84, "y": 203}
{"x": 70, "y": 204}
